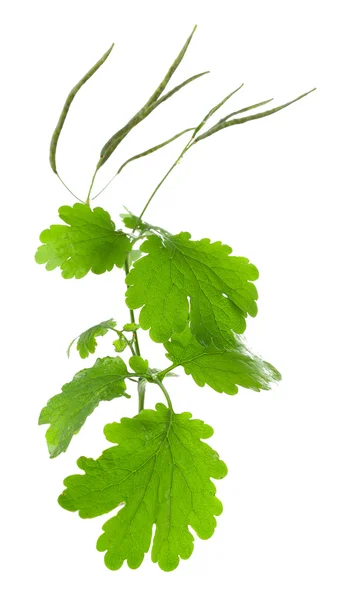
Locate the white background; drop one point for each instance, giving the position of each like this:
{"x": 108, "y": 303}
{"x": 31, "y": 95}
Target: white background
{"x": 277, "y": 190}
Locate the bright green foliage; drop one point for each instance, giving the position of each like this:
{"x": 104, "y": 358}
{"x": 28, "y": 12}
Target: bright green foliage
{"x": 89, "y": 242}
{"x": 223, "y": 370}
{"x": 131, "y": 327}
{"x": 67, "y": 412}
{"x": 86, "y": 342}
{"x": 139, "y": 365}
{"x": 120, "y": 344}
{"x": 218, "y": 286}
{"x": 161, "y": 471}
{"x": 194, "y": 298}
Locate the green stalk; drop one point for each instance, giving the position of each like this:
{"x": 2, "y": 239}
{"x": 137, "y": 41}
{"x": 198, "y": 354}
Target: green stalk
{"x": 165, "y": 392}
{"x": 185, "y": 149}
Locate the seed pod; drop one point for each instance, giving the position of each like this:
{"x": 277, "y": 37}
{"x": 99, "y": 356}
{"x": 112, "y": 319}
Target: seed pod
{"x": 69, "y": 100}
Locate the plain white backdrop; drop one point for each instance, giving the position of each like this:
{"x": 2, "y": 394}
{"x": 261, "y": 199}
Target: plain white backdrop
{"x": 277, "y": 190}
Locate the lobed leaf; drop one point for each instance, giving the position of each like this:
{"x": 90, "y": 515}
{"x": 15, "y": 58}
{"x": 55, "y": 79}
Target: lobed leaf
{"x": 86, "y": 341}
{"x": 161, "y": 471}
{"x": 181, "y": 279}
{"x": 89, "y": 242}
{"x": 67, "y": 412}
{"x": 223, "y": 370}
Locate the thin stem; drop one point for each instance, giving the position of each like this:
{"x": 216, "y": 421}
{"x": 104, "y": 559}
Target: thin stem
{"x": 133, "y": 320}
{"x": 128, "y": 342}
{"x": 91, "y": 186}
{"x": 68, "y": 189}
{"x": 105, "y": 186}
{"x": 165, "y": 392}
{"x": 141, "y": 394}
{"x": 162, "y": 373}
{"x": 186, "y": 148}
{"x": 141, "y": 384}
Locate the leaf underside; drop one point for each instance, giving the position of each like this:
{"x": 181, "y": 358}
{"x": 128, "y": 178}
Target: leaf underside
{"x": 87, "y": 342}
{"x": 223, "y": 370}
{"x": 89, "y": 242}
{"x": 161, "y": 471}
{"x": 181, "y": 279}
{"x": 68, "y": 411}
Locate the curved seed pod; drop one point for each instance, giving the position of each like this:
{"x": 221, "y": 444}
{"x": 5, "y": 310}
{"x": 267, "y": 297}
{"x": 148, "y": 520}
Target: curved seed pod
{"x": 242, "y": 110}
{"x": 111, "y": 146}
{"x": 215, "y": 108}
{"x": 69, "y": 100}
{"x": 153, "y": 149}
{"x": 150, "y": 105}
{"x": 222, "y": 124}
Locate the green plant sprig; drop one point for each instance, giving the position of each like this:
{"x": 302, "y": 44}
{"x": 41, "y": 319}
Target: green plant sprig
{"x": 193, "y": 296}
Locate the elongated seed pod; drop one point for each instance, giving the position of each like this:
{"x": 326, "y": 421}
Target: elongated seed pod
{"x": 216, "y": 108}
{"x": 69, "y": 100}
{"x": 242, "y": 110}
{"x": 150, "y": 105}
{"x": 222, "y": 124}
{"x": 153, "y": 149}
{"x": 138, "y": 117}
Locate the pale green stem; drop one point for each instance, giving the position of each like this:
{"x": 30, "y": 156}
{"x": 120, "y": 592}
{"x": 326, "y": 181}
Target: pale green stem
{"x": 165, "y": 392}
{"x": 162, "y": 373}
{"x": 91, "y": 186}
{"x": 141, "y": 395}
{"x": 186, "y": 148}
{"x": 141, "y": 386}
{"x": 68, "y": 189}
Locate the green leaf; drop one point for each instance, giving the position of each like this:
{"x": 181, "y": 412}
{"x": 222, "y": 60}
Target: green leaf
{"x": 223, "y": 123}
{"x": 222, "y": 370}
{"x": 120, "y": 344}
{"x": 68, "y": 411}
{"x": 86, "y": 342}
{"x": 138, "y": 365}
{"x": 176, "y": 269}
{"x": 131, "y": 327}
{"x": 161, "y": 471}
{"x": 131, "y": 221}
{"x": 89, "y": 242}
{"x": 69, "y": 100}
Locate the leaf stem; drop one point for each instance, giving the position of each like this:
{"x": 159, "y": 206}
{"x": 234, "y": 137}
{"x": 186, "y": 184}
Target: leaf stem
{"x": 136, "y": 350}
{"x": 68, "y": 189}
{"x": 165, "y": 371}
{"x": 185, "y": 149}
{"x": 91, "y": 186}
{"x": 133, "y": 320}
{"x": 165, "y": 392}
{"x": 141, "y": 394}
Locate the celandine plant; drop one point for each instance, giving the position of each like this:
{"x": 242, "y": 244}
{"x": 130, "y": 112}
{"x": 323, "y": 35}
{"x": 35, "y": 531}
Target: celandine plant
{"x": 194, "y": 298}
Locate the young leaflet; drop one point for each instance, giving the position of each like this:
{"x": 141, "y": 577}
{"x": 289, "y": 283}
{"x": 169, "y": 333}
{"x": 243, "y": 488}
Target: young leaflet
{"x": 194, "y": 298}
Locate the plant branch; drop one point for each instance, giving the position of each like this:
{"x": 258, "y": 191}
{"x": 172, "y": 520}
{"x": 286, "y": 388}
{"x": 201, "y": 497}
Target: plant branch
{"x": 133, "y": 320}
{"x": 185, "y": 149}
{"x": 165, "y": 392}
{"x": 164, "y": 372}
{"x": 91, "y": 186}
{"x": 141, "y": 394}
{"x": 68, "y": 189}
